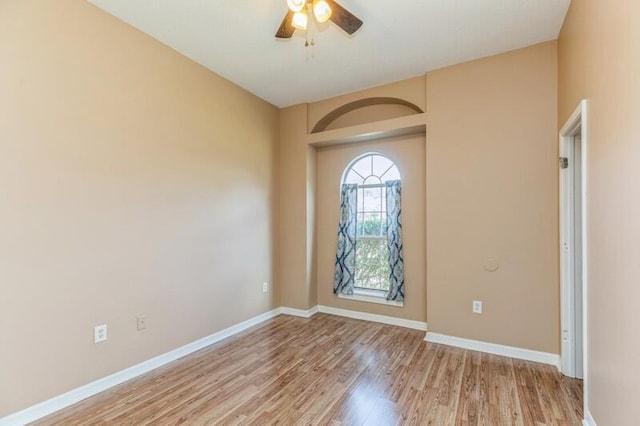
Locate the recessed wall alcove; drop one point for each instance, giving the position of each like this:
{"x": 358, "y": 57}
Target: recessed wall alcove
{"x": 365, "y": 111}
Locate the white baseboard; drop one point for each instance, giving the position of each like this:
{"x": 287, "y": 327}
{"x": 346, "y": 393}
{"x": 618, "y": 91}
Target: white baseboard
{"x": 67, "y": 399}
{"x": 588, "y": 419}
{"x": 416, "y": 325}
{"x": 299, "y": 312}
{"x": 493, "y": 348}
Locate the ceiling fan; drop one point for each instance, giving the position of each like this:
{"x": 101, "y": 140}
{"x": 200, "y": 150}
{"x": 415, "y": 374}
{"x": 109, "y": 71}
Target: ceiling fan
{"x": 321, "y": 10}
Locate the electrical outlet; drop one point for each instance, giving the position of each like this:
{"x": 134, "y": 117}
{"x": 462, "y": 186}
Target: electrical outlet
{"x": 265, "y": 287}
{"x": 477, "y": 307}
{"x": 99, "y": 333}
{"x": 142, "y": 323}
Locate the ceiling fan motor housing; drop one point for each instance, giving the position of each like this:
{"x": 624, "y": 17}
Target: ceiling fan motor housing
{"x": 323, "y": 10}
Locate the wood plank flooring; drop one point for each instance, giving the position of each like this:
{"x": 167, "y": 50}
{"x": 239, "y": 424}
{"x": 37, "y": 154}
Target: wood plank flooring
{"x": 330, "y": 370}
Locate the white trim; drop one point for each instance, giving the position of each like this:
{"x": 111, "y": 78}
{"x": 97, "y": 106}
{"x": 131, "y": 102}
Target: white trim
{"x": 493, "y": 348}
{"x": 576, "y": 124}
{"x": 588, "y": 419}
{"x": 585, "y": 253}
{"x": 67, "y": 399}
{"x": 572, "y": 125}
{"x": 299, "y": 312}
{"x": 401, "y": 322}
{"x": 566, "y": 229}
{"x": 371, "y": 299}
{"x": 579, "y": 121}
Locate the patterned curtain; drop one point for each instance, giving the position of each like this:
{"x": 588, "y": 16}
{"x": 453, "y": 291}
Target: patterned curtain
{"x": 394, "y": 240}
{"x": 346, "y": 252}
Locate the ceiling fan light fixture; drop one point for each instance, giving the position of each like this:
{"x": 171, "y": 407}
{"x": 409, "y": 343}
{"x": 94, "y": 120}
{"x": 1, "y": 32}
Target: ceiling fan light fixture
{"x": 300, "y": 20}
{"x": 321, "y": 10}
{"x": 296, "y": 5}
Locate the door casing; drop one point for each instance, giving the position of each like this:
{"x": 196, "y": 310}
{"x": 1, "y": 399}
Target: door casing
{"x": 576, "y": 125}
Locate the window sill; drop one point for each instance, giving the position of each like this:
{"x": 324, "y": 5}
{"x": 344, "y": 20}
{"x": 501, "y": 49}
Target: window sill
{"x": 370, "y": 297}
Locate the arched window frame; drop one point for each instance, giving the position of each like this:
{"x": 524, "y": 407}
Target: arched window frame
{"x": 370, "y": 171}
{"x": 389, "y": 173}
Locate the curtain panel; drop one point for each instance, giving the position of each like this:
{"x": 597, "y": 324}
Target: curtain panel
{"x": 394, "y": 240}
{"x": 345, "y": 272}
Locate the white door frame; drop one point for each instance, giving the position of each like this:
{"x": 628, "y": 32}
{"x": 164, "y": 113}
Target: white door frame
{"x": 576, "y": 124}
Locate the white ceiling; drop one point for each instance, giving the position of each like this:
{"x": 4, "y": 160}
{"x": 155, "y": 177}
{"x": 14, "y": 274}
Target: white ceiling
{"x": 399, "y": 39}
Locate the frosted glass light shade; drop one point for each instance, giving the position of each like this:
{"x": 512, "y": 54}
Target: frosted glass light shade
{"x": 321, "y": 10}
{"x": 300, "y": 20}
{"x": 296, "y": 5}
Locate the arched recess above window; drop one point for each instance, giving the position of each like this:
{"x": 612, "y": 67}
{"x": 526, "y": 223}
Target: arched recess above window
{"x": 324, "y": 123}
{"x": 371, "y": 169}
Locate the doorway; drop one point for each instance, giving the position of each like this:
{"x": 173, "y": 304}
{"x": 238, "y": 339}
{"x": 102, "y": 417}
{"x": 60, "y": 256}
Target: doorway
{"x": 573, "y": 253}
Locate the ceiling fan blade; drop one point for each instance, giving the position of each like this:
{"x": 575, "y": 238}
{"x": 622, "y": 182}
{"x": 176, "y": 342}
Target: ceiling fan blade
{"x": 343, "y": 18}
{"x": 286, "y": 28}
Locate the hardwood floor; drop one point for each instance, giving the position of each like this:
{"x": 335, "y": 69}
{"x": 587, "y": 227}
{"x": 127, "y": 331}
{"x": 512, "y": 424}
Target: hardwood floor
{"x": 330, "y": 370}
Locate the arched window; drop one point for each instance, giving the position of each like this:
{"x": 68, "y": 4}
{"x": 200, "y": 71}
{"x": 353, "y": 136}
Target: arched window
{"x": 369, "y": 255}
{"x": 371, "y": 169}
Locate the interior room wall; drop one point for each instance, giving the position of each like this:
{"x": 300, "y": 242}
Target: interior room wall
{"x": 408, "y": 152}
{"x": 312, "y": 230}
{"x": 134, "y": 182}
{"x": 492, "y": 196}
{"x": 599, "y": 61}
{"x": 296, "y": 175}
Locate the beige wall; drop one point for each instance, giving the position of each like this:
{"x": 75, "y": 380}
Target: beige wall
{"x": 599, "y": 60}
{"x": 296, "y": 175}
{"x": 134, "y": 182}
{"x": 312, "y": 230}
{"x": 492, "y": 193}
{"x": 408, "y": 153}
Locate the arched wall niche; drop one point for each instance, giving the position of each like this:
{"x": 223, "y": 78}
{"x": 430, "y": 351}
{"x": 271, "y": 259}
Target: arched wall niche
{"x": 365, "y": 111}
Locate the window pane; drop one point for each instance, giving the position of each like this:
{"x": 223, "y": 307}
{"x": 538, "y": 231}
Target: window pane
{"x": 363, "y": 167}
{"x": 372, "y": 265}
{"x": 392, "y": 174}
{"x": 372, "y": 225}
{"x": 383, "y": 220}
{"x": 371, "y": 170}
{"x": 384, "y": 225}
{"x": 380, "y": 164}
{"x": 372, "y": 199}
{"x": 352, "y": 177}
{"x": 372, "y": 180}
{"x": 359, "y": 223}
{"x": 383, "y": 199}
